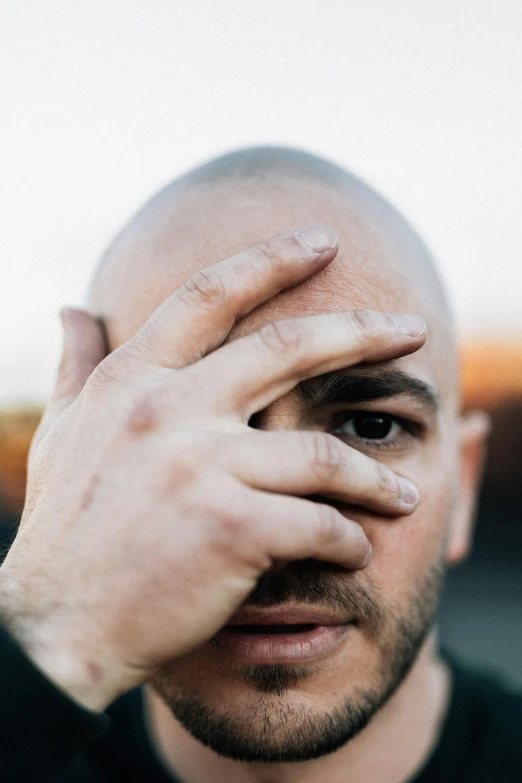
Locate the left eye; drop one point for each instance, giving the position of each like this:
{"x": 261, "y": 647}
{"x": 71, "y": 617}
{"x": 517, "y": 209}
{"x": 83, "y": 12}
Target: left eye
{"x": 369, "y": 426}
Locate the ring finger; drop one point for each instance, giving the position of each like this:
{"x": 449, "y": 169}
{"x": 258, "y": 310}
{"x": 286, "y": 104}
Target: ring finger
{"x": 306, "y": 463}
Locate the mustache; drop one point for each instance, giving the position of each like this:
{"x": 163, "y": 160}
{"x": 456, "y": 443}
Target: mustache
{"x": 319, "y": 583}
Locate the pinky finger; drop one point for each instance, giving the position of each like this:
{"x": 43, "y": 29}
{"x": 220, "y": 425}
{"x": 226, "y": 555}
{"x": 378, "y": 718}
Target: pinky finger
{"x": 290, "y": 528}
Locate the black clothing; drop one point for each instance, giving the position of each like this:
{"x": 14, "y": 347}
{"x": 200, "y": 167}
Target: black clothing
{"x": 45, "y": 737}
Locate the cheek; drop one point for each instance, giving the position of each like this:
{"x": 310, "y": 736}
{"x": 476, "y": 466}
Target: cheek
{"x": 405, "y": 549}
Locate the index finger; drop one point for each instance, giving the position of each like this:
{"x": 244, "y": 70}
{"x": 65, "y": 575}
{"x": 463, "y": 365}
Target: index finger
{"x": 197, "y": 318}
{"x": 250, "y": 373}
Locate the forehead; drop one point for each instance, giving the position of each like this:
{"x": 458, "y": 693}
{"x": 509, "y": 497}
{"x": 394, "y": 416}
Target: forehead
{"x": 380, "y": 263}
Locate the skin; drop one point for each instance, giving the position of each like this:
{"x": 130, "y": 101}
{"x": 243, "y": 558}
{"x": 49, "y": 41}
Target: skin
{"x": 379, "y": 265}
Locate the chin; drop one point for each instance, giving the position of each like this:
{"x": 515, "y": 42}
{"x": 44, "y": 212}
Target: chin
{"x": 274, "y": 719}
{"x": 280, "y": 712}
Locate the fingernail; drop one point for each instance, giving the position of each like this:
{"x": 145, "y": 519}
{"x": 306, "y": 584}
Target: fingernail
{"x": 319, "y": 238}
{"x": 410, "y": 324}
{"x": 409, "y": 492}
{"x": 369, "y": 556}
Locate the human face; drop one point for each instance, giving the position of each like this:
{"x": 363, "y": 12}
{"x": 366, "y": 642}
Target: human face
{"x": 301, "y": 708}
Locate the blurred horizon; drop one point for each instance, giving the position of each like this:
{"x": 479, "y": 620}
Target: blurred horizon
{"x": 491, "y": 373}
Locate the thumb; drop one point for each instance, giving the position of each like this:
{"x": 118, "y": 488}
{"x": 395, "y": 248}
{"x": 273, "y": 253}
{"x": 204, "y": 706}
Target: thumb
{"x": 84, "y": 347}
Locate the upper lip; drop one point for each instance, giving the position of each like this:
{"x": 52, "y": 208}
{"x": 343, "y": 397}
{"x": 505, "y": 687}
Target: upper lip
{"x": 286, "y": 615}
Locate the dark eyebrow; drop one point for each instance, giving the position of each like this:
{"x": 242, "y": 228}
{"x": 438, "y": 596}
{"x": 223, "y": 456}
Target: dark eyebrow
{"x": 362, "y": 385}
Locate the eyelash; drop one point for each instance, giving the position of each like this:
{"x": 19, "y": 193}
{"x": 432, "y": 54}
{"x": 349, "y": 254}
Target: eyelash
{"x": 408, "y": 428}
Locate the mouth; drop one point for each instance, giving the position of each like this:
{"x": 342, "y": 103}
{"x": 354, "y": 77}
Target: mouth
{"x": 271, "y": 629}
{"x": 282, "y": 635}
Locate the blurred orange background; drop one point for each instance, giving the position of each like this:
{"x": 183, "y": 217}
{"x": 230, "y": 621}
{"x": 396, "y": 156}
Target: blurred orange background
{"x": 491, "y": 380}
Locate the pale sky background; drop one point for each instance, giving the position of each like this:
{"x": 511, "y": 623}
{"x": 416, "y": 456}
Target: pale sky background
{"x": 103, "y": 102}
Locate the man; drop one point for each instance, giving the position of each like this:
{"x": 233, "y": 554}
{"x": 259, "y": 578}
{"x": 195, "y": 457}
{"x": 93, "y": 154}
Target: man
{"x": 248, "y": 505}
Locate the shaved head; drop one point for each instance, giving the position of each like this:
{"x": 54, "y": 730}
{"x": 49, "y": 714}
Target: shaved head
{"x": 239, "y": 199}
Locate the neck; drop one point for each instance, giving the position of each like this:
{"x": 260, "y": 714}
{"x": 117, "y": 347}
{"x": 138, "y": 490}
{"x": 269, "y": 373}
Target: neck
{"x": 379, "y": 753}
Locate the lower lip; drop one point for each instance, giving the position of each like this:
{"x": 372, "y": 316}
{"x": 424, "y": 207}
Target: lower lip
{"x": 282, "y": 647}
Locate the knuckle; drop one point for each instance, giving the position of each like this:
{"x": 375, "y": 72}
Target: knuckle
{"x": 206, "y": 287}
{"x": 387, "y": 484}
{"x": 324, "y": 452}
{"x": 330, "y": 530}
{"x": 234, "y": 529}
{"x": 283, "y": 248}
{"x": 231, "y": 523}
{"x": 267, "y": 250}
{"x": 367, "y": 323}
{"x": 106, "y": 373}
{"x": 180, "y": 476}
{"x": 281, "y": 337}
{"x": 144, "y": 415}
{"x": 183, "y": 475}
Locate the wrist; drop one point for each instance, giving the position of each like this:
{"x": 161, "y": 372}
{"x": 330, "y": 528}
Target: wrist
{"x": 66, "y": 663}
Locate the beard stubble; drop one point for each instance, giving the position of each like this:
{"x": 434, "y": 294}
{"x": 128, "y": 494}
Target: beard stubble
{"x": 274, "y": 731}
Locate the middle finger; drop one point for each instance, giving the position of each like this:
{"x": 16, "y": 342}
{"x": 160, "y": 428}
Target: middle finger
{"x": 252, "y": 372}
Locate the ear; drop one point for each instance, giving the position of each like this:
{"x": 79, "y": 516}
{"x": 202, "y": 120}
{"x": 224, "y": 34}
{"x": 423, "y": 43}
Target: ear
{"x": 474, "y": 431}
